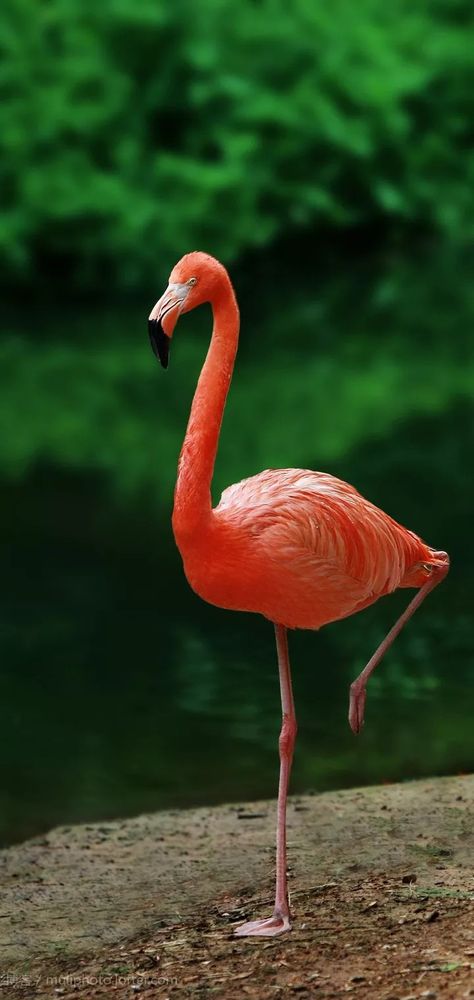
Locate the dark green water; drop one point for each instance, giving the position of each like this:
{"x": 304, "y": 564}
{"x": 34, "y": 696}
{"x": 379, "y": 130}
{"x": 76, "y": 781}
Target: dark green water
{"x": 120, "y": 690}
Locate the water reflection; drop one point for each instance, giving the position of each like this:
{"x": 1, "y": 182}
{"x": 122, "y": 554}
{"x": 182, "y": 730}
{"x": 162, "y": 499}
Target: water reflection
{"x": 121, "y": 691}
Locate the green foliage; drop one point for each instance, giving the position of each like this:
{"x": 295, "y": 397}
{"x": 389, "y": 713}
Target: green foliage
{"x": 133, "y": 130}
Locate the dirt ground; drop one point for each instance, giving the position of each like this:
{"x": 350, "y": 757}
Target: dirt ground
{"x": 382, "y": 893}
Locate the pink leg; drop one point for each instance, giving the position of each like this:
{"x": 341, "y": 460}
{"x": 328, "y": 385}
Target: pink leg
{"x": 280, "y": 920}
{"x": 357, "y": 690}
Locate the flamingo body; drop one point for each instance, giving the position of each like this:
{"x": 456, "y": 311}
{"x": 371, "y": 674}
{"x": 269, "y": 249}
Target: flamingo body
{"x": 301, "y": 548}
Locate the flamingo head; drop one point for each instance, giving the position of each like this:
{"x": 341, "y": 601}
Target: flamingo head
{"x": 195, "y": 279}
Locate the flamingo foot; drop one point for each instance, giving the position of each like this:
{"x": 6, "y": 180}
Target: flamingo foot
{"x": 356, "y": 707}
{"x": 268, "y": 927}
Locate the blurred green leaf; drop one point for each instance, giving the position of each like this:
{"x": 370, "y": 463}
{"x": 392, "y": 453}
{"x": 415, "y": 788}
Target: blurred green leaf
{"x": 132, "y": 132}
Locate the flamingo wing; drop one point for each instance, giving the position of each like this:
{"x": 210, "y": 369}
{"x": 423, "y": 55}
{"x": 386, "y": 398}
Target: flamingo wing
{"x": 322, "y": 527}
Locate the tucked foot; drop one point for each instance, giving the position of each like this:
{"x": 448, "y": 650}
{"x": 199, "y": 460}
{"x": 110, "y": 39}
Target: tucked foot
{"x": 268, "y": 927}
{"x": 356, "y": 707}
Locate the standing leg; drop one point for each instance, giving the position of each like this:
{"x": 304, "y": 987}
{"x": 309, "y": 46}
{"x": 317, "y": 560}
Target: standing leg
{"x": 280, "y": 921}
{"x": 357, "y": 691}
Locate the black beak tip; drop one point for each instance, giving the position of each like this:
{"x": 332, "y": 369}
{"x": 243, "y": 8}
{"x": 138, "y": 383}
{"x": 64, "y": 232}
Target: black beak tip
{"x": 159, "y": 341}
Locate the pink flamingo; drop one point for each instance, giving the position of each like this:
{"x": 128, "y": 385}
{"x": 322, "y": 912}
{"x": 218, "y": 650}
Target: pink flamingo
{"x": 301, "y": 548}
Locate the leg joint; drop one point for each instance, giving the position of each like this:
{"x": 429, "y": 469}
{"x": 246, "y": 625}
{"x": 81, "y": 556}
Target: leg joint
{"x": 288, "y": 735}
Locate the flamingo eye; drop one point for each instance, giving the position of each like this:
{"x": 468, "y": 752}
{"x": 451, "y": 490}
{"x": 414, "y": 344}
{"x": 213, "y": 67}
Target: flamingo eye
{"x": 192, "y": 281}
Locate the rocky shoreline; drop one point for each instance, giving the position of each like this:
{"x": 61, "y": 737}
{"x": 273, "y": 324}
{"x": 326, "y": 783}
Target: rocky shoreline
{"x": 84, "y": 897}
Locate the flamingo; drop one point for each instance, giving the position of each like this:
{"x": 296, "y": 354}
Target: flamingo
{"x": 301, "y": 548}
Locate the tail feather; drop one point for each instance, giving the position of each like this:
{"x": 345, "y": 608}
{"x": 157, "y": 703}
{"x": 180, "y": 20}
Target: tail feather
{"x": 418, "y": 574}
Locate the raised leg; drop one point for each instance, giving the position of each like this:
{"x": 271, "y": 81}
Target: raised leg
{"x": 280, "y": 920}
{"x": 357, "y": 689}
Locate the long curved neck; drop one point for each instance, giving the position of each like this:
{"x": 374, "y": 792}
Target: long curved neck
{"x": 192, "y": 499}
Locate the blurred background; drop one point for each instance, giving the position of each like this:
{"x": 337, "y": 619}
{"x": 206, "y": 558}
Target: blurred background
{"x": 325, "y": 154}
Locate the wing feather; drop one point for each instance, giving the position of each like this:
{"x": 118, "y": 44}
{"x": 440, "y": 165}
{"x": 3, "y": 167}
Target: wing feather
{"x": 318, "y": 523}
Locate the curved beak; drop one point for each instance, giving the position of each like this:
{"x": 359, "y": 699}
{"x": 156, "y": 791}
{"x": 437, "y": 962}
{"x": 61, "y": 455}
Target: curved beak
{"x": 163, "y": 318}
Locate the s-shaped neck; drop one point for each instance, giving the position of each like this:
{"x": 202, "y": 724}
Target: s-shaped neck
{"x": 192, "y": 499}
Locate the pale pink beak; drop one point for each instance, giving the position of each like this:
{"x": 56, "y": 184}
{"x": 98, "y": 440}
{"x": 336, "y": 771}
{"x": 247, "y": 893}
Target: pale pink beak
{"x": 163, "y": 318}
